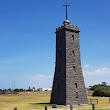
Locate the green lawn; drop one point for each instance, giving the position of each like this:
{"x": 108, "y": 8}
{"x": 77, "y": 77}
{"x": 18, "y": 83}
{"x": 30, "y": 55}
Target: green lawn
{"x": 38, "y": 100}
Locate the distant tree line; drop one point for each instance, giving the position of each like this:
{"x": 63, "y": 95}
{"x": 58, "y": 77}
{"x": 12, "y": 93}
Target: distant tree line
{"x": 102, "y": 90}
{"x": 15, "y": 91}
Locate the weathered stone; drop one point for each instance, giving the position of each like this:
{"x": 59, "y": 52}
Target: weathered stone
{"x": 68, "y": 83}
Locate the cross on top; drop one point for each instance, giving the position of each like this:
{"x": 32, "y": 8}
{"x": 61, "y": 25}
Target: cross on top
{"x": 66, "y": 6}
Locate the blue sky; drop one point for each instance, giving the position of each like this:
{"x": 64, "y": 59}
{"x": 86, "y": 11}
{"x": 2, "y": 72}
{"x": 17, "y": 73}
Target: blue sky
{"x": 27, "y": 40}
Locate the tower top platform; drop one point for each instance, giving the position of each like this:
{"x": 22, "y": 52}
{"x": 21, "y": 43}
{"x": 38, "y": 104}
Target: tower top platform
{"x": 66, "y": 24}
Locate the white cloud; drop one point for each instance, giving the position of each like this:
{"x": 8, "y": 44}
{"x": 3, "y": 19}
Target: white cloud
{"x": 39, "y": 80}
{"x": 98, "y": 71}
{"x": 26, "y": 80}
{"x": 93, "y": 75}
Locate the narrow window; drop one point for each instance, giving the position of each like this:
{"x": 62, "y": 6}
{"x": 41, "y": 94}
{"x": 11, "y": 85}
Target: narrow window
{"x": 76, "y": 85}
{"x": 76, "y": 94}
{"x": 73, "y": 37}
{"x": 73, "y": 52}
{"x": 74, "y": 68}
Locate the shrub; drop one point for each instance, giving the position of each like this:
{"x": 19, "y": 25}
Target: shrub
{"x": 94, "y": 87}
{"x": 102, "y": 91}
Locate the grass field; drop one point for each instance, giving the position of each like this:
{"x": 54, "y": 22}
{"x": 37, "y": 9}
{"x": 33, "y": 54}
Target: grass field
{"x": 38, "y": 100}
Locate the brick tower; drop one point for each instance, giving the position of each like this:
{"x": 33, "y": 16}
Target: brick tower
{"x": 68, "y": 83}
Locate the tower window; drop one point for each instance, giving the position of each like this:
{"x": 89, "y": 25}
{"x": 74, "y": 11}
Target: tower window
{"x": 76, "y": 85}
{"x": 74, "y": 68}
{"x": 77, "y": 95}
{"x": 73, "y": 52}
{"x": 73, "y": 37}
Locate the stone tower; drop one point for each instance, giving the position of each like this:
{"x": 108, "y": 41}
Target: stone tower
{"x": 68, "y": 83}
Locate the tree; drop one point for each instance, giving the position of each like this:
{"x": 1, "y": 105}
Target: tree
{"x": 94, "y": 87}
{"x": 16, "y": 90}
{"x": 29, "y": 89}
{"x": 102, "y": 91}
{"x": 104, "y": 83}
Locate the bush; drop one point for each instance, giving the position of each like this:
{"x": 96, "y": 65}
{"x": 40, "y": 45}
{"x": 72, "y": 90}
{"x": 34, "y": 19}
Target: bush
{"x": 94, "y": 87}
{"x": 102, "y": 91}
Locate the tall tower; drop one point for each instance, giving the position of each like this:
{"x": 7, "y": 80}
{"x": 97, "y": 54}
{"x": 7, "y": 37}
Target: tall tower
{"x": 68, "y": 83}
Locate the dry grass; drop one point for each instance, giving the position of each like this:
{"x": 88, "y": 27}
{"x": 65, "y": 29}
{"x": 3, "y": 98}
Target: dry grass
{"x": 24, "y": 101}
{"x": 37, "y": 100}
{"x": 90, "y": 93}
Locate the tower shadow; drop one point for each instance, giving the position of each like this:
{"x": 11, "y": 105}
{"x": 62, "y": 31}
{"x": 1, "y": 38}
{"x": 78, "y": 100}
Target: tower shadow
{"x": 46, "y": 104}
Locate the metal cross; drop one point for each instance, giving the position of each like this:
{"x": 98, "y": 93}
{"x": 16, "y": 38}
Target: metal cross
{"x": 66, "y": 6}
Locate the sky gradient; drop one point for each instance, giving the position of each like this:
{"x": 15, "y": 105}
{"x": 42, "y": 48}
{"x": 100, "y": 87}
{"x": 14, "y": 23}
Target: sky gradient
{"x": 27, "y": 40}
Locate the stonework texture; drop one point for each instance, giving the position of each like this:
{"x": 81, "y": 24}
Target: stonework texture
{"x": 68, "y": 83}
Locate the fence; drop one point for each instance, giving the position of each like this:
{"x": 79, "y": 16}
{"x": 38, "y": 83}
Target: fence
{"x": 93, "y": 101}
{"x": 90, "y": 101}
{"x": 71, "y": 107}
